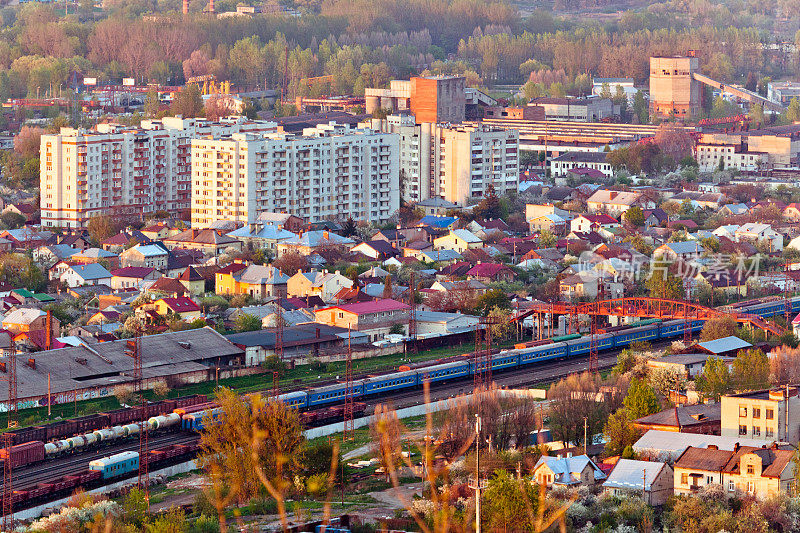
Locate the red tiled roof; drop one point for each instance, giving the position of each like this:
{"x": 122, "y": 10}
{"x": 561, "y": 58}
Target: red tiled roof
{"x": 132, "y": 272}
{"x": 182, "y": 304}
{"x": 232, "y": 268}
{"x": 487, "y": 269}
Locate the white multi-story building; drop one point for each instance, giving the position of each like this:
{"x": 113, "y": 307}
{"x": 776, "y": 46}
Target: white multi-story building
{"x": 123, "y": 170}
{"x": 456, "y": 163}
{"x": 328, "y": 172}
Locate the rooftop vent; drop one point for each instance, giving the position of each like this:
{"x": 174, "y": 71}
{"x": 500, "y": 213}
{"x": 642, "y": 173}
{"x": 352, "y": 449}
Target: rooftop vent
{"x": 185, "y": 345}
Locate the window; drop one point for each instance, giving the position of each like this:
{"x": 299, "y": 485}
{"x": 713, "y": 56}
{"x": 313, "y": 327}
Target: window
{"x": 769, "y": 432}
{"x": 750, "y": 470}
{"x": 742, "y": 430}
{"x": 751, "y": 487}
{"x": 756, "y": 412}
{"x": 769, "y": 414}
{"x": 756, "y": 431}
{"x": 709, "y": 480}
{"x": 742, "y": 411}
{"x": 684, "y": 478}
{"x": 731, "y": 486}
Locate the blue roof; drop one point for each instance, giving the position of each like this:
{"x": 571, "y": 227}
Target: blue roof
{"x": 318, "y": 237}
{"x": 686, "y": 247}
{"x": 725, "y": 344}
{"x": 267, "y": 231}
{"x": 150, "y": 249}
{"x": 91, "y": 271}
{"x": 438, "y": 222}
{"x": 441, "y": 255}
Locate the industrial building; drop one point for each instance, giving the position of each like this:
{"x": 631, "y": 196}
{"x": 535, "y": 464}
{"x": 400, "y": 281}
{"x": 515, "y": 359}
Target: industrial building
{"x": 592, "y": 109}
{"x": 455, "y": 163}
{"x": 331, "y": 171}
{"x": 673, "y": 88}
{"x": 782, "y": 92}
{"x": 94, "y": 370}
{"x": 766, "y": 148}
{"x": 123, "y": 170}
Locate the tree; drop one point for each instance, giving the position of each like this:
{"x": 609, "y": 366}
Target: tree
{"x": 219, "y": 106}
{"x": 674, "y": 141}
{"x": 784, "y": 365}
{"x": 571, "y": 400}
{"x": 247, "y": 322}
{"x": 664, "y": 380}
{"x": 495, "y": 298}
{"x": 188, "y": 102}
{"x": 718, "y": 328}
{"x": 635, "y": 216}
{"x": 489, "y": 207}
{"x": 792, "y": 113}
{"x": 641, "y": 399}
{"x": 750, "y": 370}
{"x": 252, "y": 444}
{"x": 388, "y": 292}
{"x": 12, "y": 220}
{"x": 291, "y": 263}
{"x": 510, "y": 504}
{"x": 547, "y": 239}
{"x": 102, "y": 227}
{"x": 620, "y": 432}
{"x": 152, "y": 103}
{"x": 27, "y": 142}
{"x": 662, "y": 284}
{"x": 640, "y": 108}
{"x": 715, "y": 379}
{"x": 501, "y": 325}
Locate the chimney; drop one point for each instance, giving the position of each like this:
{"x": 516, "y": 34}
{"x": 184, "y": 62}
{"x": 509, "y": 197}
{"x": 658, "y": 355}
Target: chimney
{"x": 316, "y": 333}
{"x": 736, "y": 447}
{"x": 211, "y": 6}
{"x": 185, "y": 7}
{"x": 715, "y": 447}
{"x": 31, "y": 363}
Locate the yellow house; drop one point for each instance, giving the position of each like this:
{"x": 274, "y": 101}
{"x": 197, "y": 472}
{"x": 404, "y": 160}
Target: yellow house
{"x": 570, "y": 471}
{"x": 193, "y": 281}
{"x": 760, "y": 472}
{"x": 184, "y": 307}
{"x": 315, "y": 283}
{"x": 459, "y": 240}
{"x": 258, "y": 281}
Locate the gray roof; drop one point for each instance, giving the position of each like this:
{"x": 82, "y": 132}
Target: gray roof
{"x": 627, "y": 474}
{"x": 670, "y": 444}
{"x": 725, "y": 344}
{"x": 106, "y": 365}
{"x": 91, "y": 271}
{"x": 685, "y": 358}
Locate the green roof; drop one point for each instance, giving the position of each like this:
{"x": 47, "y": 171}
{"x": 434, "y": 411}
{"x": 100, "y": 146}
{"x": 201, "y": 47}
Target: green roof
{"x": 24, "y": 292}
{"x": 42, "y": 297}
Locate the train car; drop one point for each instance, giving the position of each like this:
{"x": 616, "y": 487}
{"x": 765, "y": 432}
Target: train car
{"x": 116, "y": 465}
{"x": 23, "y": 454}
{"x": 164, "y": 421}
{"x": 195, "y": 421}
{"x": 296, "y": 400}
{"x": 390, "y": 382}
{"x": 501, "y": 361}
{"x": 61, "y": 429}
{"x": 454, "y": 370}
{"x": 542, "y": 353}
{"x": 583, "y": 345}
{"x": 647, "y": 333}
{"x": 19, "y": 436}
{"x": 332, "y": 393}
{"x": 188, "y": 401}
{"x": 85, "y": 424}
{"x": 674, "y": 328}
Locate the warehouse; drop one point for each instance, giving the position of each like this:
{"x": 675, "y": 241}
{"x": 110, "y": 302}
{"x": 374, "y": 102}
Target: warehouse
{"x": 94, "y": 370}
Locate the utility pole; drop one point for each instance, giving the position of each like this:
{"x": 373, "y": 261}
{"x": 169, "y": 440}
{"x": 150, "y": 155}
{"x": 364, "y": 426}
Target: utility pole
{"x": 585, "y": 430}
{"x": 477, "y": 485}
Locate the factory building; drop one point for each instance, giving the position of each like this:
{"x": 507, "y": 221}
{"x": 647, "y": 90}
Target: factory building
{"x": 673, "y": 87}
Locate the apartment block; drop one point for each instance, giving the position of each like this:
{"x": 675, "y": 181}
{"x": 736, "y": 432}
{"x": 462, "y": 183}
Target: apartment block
{"x": 328, "y": 172}
{"x": 769, "y": 415}
{"x": 123, "y": 170}
{"x": 455, "y": 163}
{"x": 764, "y": 148}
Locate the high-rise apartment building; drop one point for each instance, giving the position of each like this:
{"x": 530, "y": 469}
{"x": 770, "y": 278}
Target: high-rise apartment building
{"x": 328, "y": 172}
{"x": 456, "y": 163}
{"x": 122, "y": 170}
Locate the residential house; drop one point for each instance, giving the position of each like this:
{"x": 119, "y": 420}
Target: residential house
{"x": 298, "y": 342}
{"x": 440, "y": 222}
{"x": 53, "y": 253}
{"x": 589, "y": 223}
{"x": 132, "y": 277}
{"x": 159, "y": 231}
{"x": 588, "y": 284}
{"x": 145, "y": 255}
{"x": 440, "y": 256}
{"x": 555, "y": 224}
{"x": 262, "y": 236}
{"x": 616, "y": 202}
{"x": 213, "y": 242}
{"x": 26, "y": 320}
{"x": 653, "y": 480}
{"x": 286, "y": 221}
{"x": 655, "y": 217}
{"x": 674, "y": 251}
{"x": 458, "y": 240}
{"x": 258, "y": 281}
{"x": 88, "y": 274}
{"x": 792, "y": 212}
{"x": 194, "y": 282}
{"x": 96, "y": 255}
{"x": 759, "y": 472}
{"x": 568, "y": 471}
{"x": 762, "y": 234}
{"x": 317, "y": 283}
{"x": 393, "y": 236}
{"x": 734, "y": 210}
{"x": 436, "y": 206}
{"x": 123, "y": 240}
{"x": 533, "y": 211}
{"x": 377, "y": 250}
{"x": 185, "y": 308}
{"x": 416, "y": 248}
{"x": 438, "y": 324}
{"x": 491, "y": 272}
{"x": 375, "y": 318}
{"x": 690, "y": 365}
{"x": 472, "y": 287}
{"x": 727, "y": 230}
{"x": 698, "y": 418}
{"x": 27, "y": 211}
{"x": 169, "y": 286}
{"x": 310, "y": 242}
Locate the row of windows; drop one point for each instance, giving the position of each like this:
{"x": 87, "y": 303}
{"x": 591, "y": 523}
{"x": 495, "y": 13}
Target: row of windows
{"x": 769, "y": 414}
{"x": 756, "y": 431}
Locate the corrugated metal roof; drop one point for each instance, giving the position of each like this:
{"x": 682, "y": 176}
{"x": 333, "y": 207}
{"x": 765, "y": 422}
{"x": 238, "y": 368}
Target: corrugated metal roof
{"x": 725, "y": 344}
{"x": 627, "y": 474}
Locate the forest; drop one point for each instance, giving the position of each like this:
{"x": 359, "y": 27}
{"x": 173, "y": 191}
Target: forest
{"x": 362, "y": 43}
